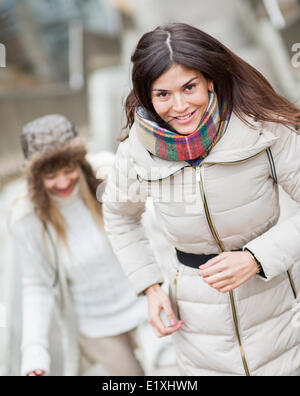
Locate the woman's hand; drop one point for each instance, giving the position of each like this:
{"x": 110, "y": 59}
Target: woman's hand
{"x": 229, "y": 270}
{"x": 158, "y": 300}
{"x": 36, "y": 373}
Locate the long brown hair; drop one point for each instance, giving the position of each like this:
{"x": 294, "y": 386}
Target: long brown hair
{"x": 246, "y": 91}
{"x": 45, "y": 208}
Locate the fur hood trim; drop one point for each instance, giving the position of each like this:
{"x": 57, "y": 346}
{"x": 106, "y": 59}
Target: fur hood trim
{"x": 52, "y": 160}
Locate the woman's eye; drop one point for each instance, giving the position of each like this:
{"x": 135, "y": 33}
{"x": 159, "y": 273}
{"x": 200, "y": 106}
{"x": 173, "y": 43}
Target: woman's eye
{"x": 162, "y": 94}
{"x": 190, "y": 87}
{"x": 49, "y": 177}
{"x": 70, "y": 169}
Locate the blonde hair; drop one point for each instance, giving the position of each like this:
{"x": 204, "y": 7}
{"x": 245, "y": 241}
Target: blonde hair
{"x": 55, "y": 217}
{"x": 45, "y": 206}
{"x": 90, "y": 201}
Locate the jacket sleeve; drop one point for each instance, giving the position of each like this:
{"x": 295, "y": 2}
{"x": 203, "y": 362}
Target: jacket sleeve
{"x": 279, "y": 248}
{"x": 38, "y": 298}
{"x": 123, "y": 207}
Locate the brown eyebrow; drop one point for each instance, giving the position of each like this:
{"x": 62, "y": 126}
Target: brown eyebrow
{"x": 184, "y": 85}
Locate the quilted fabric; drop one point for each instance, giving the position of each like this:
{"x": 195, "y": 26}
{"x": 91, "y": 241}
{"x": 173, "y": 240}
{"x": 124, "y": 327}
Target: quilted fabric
{"x": 243, "y": 204}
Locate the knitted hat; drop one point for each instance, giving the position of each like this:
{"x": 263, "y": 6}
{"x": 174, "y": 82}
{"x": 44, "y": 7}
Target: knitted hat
{"x": 47, "y": 133}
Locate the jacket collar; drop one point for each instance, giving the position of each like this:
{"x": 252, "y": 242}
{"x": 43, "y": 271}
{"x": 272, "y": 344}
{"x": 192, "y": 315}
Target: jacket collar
{"x": 239, "y": 143}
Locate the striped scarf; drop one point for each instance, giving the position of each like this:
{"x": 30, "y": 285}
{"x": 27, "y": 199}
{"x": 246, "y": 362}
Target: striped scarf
{"x": 192, "y": 148}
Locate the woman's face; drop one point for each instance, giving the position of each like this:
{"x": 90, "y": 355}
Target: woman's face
{"x": 180, "y": 98}
{"x": 62, "y": 182}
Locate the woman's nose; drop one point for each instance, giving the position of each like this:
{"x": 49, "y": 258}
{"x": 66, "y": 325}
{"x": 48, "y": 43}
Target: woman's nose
{"x": 62, "y": 182}
{"x": 179, "y": 104}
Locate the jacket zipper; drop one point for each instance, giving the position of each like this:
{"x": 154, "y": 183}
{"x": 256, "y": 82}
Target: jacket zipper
{"x": 140, "y": 179}
{"x": 217, "y": 239}
{"x": 240, "y": 162}
{"x": 199, "y": 180}
{"x": 231, "y": 294}
{"x": 292, "y": 284}
{"x": 204, "y": 163}
{"x": 176, "y": 291}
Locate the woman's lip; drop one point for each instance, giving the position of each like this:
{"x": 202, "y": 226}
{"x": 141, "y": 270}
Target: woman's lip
{"x": 187, "y": 120}
{"x": 64, "y": 191}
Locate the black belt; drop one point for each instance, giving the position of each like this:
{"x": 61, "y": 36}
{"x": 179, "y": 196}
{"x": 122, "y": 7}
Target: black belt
{"x": 195, "y": 260}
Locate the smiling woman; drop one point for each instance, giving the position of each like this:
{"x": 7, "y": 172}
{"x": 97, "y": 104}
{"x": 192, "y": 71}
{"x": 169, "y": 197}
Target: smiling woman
{"x": 62, "y": 182}
{"x": 220, "y": 140}
{"x": 54, "y": 170}
{"x": 66, "y": 260}
{"x": 183, "y": 99}
{"x": 235, "y": 81}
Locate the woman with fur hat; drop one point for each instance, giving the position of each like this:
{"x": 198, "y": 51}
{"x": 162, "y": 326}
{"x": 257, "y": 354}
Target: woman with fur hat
{"x": 67, "y": 261}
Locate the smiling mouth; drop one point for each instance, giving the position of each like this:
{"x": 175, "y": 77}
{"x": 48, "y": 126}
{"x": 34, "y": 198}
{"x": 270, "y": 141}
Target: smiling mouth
{"x": 186, "y": 117}
{"x": 65, "y": 190}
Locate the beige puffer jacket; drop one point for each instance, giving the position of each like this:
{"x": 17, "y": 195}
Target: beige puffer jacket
{"x": 229, "y": 202}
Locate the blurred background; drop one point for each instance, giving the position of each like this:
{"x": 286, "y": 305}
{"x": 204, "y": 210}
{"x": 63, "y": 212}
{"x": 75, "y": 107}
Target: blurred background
{"x": 73, "y": 57}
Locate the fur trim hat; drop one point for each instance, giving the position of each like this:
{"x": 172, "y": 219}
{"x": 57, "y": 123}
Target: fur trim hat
{"x": 46, "y": 133}
{"x": 49, "y": 143}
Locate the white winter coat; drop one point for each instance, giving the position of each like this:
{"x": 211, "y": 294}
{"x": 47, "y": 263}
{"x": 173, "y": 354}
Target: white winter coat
{"x": 44, "y": 290}
{"x": 229, "y": 202}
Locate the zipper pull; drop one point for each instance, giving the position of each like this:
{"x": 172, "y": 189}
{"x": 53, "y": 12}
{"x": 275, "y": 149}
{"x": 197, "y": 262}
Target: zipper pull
{"x": 198, "y": 176}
